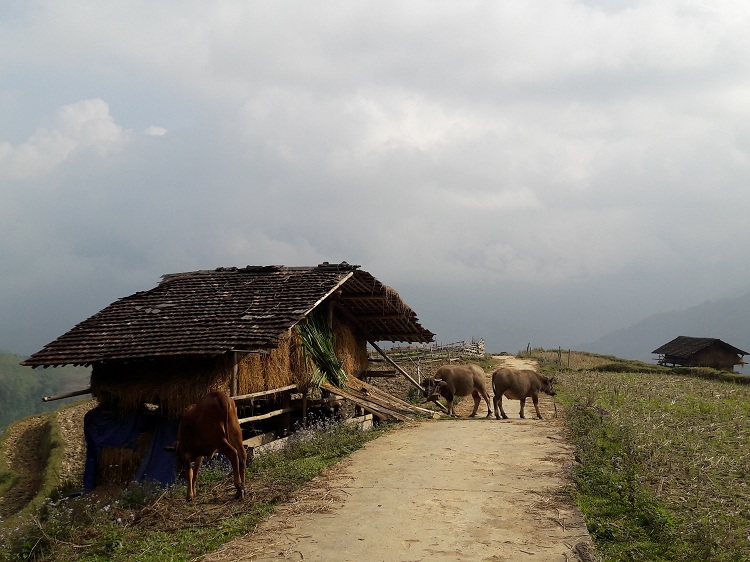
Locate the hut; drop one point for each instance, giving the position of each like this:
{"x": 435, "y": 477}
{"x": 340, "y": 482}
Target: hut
{"x": 231, "y": 329}
{"x": 700, "y": 352}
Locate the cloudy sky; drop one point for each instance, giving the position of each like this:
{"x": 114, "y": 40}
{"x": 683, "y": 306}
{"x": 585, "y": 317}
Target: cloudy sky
{"x": 535, "y": 171}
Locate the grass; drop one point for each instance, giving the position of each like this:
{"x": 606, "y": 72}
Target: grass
{"x": 146, "y": 523}
{"x": 663, "y": 458}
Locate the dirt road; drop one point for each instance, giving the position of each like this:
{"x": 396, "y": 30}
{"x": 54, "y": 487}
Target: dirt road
{"x": 467, "y": 489}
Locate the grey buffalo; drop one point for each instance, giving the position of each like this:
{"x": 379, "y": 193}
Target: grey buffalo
{"x": 519, "y": 384}
{"x": 457, "y": 380}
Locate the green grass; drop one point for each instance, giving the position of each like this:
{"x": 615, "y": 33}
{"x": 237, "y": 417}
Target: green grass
{"x": 663, "y": 463}
{"x": 145, "y": 523}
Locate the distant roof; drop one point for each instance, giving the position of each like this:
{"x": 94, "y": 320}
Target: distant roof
{"x": 212, "y": 312}
{"x": 684, "y": 347}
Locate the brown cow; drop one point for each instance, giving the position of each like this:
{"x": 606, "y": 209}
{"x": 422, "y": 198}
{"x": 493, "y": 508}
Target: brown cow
{"x": 457, "y": 380}
{"x": 206, "y": 427}
{"x": 518, "y": 384}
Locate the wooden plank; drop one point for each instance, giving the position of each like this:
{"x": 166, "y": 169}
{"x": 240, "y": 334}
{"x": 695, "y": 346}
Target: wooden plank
{"x": 266, "y": 416}
{"x": 396, "y": 402}
{"x": 381, "y": 411}
{"x": 260, "y": 439}
{"x": 264, "y": 392}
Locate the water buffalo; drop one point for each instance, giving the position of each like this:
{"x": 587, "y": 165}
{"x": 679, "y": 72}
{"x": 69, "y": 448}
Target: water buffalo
{"x": 457, "y": 380}
{"x": 206, "y": 427}
{"x": 518, "y": 384}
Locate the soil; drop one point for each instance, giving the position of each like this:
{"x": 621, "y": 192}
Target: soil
{"x": 462, "y": 489}
{"x": 23, "y": 446}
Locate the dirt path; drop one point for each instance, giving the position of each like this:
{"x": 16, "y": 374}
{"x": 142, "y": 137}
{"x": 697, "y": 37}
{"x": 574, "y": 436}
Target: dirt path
{"x": 467, "y": 489}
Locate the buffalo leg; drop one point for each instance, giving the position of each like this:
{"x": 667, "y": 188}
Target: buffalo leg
{"x": 475, "y": 396}
{"x": 450, "y": 399}
{"x": 535, "y": 399}
{"x": 523, "y": 403}
{"x": 487, "y": 401}
{"x": 498, "y": 399}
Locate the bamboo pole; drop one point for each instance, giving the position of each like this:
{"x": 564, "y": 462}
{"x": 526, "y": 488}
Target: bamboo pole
{"x": 66, "y": 395}
{"x": 400, "y": 370}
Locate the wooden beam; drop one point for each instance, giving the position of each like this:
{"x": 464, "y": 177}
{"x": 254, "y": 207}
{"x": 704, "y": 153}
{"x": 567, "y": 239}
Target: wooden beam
{"x": 261, "y": 439}
{"x": 266, "y": 416}
{"x": 265, "y": 392}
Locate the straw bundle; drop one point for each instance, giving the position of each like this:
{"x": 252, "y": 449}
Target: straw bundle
{"x": 265, "y": 371}
{"x": 350, "y": 349}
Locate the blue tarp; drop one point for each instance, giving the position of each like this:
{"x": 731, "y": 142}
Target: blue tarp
{"x": 103, "y": 428}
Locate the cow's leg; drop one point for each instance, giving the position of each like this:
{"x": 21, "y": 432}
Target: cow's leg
{"x": 535, "y": 399}
{"x": 193, "y": 477}
{"x": 475, "y": 396}
{"x": 237, "y": 470}
{"x": 523, "y": 403}
{"x": 189, "y": 476}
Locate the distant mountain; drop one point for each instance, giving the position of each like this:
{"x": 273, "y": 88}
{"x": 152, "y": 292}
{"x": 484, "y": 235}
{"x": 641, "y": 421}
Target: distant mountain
{"x": 22, "y": 388}
{"x": 726, "y": 319}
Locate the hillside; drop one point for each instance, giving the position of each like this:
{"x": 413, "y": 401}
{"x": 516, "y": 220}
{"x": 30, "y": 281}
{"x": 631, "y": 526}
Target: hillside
{"x": 21, "y": 388}
{"x": 726, "y": 319}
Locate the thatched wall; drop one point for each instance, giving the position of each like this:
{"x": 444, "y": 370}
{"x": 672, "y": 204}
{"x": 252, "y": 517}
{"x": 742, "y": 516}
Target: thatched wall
{"x": 276, "y": 368}
{"x": 176, "y": 383}
{"x": 285, "y": 365}
{"x": 173, "y": 384}
{"x": 351, "y": 348}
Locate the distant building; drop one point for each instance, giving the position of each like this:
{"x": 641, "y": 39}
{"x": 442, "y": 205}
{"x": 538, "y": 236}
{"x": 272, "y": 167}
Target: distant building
{"x": 700, "y": 352}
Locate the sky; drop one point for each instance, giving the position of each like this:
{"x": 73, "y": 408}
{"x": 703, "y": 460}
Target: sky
{"x": 533, "y": 172}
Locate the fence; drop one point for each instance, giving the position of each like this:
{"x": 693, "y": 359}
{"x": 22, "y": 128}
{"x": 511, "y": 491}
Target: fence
{"x": 434, "y": 351}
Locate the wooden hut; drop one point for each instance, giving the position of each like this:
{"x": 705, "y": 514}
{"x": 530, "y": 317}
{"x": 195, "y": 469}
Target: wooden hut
{"x": 700, "y": 352}
{"x": 235, "y": 330}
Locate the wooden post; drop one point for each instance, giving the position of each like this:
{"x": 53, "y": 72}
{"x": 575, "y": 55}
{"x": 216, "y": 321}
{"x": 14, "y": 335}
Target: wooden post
{"x": 235, "y": 374}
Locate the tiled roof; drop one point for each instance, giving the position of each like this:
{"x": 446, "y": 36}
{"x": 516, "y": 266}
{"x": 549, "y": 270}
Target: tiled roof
{"x": 229, "y": 309}
{"x": 685, "y": 347}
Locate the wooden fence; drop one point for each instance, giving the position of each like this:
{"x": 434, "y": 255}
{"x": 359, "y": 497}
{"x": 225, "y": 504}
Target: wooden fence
{"x": 433, "y": 352}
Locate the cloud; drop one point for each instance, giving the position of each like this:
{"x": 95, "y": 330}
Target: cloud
{"x": 495, "y": 162}
{"x": 154, "y": 131}
{"x": 82, "y": 127}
